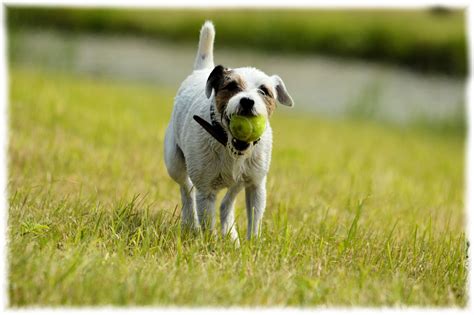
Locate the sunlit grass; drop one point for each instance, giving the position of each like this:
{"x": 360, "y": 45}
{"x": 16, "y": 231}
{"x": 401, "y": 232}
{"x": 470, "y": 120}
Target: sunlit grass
{"x": 358, "y": 213}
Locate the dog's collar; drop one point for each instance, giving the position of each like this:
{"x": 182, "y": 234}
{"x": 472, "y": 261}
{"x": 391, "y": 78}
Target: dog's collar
{"x": 215, "y": 129}
{"x": 218, "y": 132}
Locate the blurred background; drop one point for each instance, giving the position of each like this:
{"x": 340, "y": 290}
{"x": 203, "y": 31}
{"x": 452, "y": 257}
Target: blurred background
{"x": 397, "y": 66}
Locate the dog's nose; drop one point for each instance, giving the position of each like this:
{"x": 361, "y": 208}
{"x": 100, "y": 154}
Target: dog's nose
{"x": 246, "y": 103}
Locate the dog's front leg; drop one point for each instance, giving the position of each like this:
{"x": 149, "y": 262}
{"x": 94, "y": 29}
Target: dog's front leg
{"x": 189, "y": 216}
{"x": 255, "y": 200}
{"x": 206, "y": 208}
{"x": 227, "y": 213}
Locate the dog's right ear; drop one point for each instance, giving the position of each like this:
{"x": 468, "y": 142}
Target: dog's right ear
{"x": 216, "y": 78}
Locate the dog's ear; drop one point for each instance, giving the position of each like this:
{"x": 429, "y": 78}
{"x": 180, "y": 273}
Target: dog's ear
{"x": 283, "y": 96}
{"x": 215, "y": 80}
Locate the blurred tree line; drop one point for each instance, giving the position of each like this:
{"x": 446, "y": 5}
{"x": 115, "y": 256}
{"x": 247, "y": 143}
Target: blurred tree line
{"x": 427, "y": 40}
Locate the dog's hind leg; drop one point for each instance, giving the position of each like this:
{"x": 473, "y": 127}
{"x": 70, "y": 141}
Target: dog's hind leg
{"x": 227, "y": 213}
{"x": 176, "y": 166}
{"x": 255, "y": 200}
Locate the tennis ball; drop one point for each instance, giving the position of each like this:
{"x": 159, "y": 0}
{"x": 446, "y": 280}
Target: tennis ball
{"x": 247, "y": 128}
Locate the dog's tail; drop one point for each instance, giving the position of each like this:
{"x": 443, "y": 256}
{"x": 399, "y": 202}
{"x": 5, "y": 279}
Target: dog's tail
{"x": 205, "y": 54}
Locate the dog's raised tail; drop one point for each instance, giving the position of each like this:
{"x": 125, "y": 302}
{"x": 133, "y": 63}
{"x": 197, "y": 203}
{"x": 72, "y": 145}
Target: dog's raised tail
{"x": 205, "y": 54}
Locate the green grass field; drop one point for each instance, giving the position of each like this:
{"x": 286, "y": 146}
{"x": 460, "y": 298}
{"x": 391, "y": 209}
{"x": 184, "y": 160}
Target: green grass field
{"x": 358, "y": 213}
{"x": 422, "y": 39}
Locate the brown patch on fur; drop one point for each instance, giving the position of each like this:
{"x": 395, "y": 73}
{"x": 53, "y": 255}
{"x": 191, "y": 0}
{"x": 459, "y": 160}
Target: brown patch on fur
{"x": 225, "y": 91}
{"x": 269, "y": 101}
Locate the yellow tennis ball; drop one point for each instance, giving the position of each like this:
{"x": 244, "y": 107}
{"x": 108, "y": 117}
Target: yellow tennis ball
{"x": 247, "y": 128}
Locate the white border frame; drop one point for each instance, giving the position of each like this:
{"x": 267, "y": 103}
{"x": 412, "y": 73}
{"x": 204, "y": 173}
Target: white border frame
{"x": 469, "y": 196}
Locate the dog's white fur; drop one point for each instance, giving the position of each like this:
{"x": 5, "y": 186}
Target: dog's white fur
{"x": 201, "y": 165}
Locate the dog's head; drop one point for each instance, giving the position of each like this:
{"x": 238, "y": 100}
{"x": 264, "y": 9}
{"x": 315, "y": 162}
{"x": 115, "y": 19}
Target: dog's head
{"x": 245, "y": 91}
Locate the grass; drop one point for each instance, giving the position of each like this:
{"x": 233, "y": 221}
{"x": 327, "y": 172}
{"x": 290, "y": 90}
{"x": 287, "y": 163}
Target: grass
{"x": 424, "y": 39}
{"x": 358, "y": 213}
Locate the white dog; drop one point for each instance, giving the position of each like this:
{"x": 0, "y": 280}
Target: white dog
{"x": 200, "y": 153}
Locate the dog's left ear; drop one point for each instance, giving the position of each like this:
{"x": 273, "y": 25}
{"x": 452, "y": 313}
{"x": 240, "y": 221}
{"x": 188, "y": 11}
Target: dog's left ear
{"x": 215, "y": 80}
{"x": 282, "y": 94}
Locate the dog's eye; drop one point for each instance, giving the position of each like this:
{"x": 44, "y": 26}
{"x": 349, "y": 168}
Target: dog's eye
{"x": 231, "y": 86}
{"x": 263, "y": 90}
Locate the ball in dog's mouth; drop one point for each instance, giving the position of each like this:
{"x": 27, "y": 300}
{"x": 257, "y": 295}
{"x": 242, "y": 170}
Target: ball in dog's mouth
{"x": 240, "y": 144}
{"x": 247, "y": 128}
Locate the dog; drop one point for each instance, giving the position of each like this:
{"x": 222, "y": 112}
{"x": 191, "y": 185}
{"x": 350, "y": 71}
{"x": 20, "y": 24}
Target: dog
{"x": 201, "y": 154}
